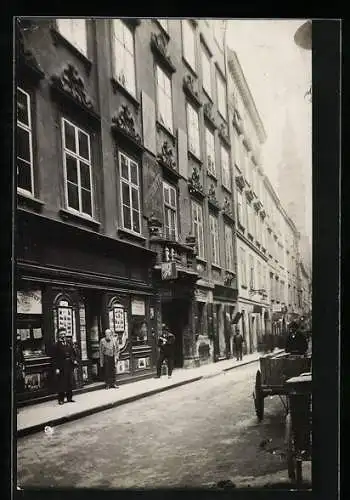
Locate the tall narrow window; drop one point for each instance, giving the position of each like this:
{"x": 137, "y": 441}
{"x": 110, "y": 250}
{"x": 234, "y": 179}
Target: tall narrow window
{"x": 130, "y": 193}
{"x": 210, "y": 151}
{"x": 193, "y": 130}
{"x": 214, "y": 236}
{"x": 197, "y": 227}
{"x": 77, "y": 166}
{"x": 123, "y": 55}
{"x": 170, "y": 211}
{"x": 74, "y": 30}
{"x": 24, "y": 153}
{"x": 206, "y": 71}
{"x": 221, "y": 93}
{"x": 229, "y": 248}
{"x": 251, "y": 272}
{"x": 164, "y": 99}
{"x": 225, "y": 168}
{"x": 189, "y": 43}
{"x": 240, "y": 208}
{"x": 243, "y": 267}
{"x": 259, "y": 283}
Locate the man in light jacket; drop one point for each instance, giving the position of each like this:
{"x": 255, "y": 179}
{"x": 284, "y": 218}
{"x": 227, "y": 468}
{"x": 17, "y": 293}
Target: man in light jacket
{"x": 109, "y": 352}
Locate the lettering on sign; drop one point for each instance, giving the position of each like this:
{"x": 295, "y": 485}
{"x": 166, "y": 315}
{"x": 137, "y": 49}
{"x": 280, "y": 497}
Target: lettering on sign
{"x": 138, "y": 307}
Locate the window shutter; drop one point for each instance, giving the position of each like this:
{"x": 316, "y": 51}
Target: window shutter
{"x": 148, "y": 121}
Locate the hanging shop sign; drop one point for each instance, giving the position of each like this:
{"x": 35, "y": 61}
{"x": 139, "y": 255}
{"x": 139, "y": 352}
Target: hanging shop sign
{"x": 168, "y": 270}
{"x": 29, "y": 302}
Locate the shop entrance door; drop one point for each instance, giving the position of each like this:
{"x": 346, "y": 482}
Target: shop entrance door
{"x": 175, "y": 314}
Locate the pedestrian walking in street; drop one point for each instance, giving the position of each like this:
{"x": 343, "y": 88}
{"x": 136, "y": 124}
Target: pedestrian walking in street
{"x": 109, "y": 352}
{"x": 238, "y": 341}
{"x": 20, "y": 367}
{"x": 296, "y": 342}
{"x": 166, "y": 351}
{"x": 64, "y": 361}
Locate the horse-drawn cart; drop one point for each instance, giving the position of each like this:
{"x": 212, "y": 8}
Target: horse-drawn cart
{"x": 274, "y": 370}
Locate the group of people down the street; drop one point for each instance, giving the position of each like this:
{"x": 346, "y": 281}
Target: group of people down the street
{"x": 65, "y": 357}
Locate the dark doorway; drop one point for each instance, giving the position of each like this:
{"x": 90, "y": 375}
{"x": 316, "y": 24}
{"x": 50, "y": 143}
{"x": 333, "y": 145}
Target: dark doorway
{"x": 175, "y": 314}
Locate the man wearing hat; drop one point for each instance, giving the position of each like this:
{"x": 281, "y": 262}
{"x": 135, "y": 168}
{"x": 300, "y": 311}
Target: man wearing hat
{"x": 296, "y": 341}
{"x": 166, "y": 350}
{"x": 64, "y": 361}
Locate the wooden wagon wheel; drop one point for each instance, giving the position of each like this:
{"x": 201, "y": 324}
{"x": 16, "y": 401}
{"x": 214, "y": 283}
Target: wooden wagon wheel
{"x": 259, "y": 397}
{"x": 291, "y": 462}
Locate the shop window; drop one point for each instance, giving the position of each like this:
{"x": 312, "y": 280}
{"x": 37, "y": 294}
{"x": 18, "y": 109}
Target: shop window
{"x": 118, "y": 322}
{"x": 30, "y": 323}
{"x": 139, "y": 324}
{"x": 24, "y": 143}
{"x": 77, "y": 168}
{"x": 64, "y": 316}
{"x": 124, "y": 55}
{"x": 130, "y": 194}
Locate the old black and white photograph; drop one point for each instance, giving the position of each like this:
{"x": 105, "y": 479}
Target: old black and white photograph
{"x": 163, "y": 184}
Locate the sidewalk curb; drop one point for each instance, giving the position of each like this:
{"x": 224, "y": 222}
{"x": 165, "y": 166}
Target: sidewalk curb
{"x": 26, "y": 431}
{"x": 107, "y": 406}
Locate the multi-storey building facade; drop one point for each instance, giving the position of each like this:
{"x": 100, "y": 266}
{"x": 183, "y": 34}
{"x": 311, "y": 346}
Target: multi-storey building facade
{"x": 125, "y": 213}
{"x": 266, "y": 238}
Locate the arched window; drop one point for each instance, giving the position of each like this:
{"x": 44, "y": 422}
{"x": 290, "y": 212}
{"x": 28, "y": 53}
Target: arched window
{"x": 64, "y": 316}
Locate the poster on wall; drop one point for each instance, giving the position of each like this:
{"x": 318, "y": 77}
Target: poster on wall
{"x": 29, "y": 302}
{"x": 65, "y": 319}
{"x": 138, "y": 307}
{"x": 118, "y": 319}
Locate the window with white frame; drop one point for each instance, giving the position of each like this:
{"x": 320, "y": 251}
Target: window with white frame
{"x": 170, "y": 211}
{"x": 210, "y": 151}
{"x": 77, "y": 167}
{"x": 130, "y": 193}
{"x": 189, "y": 43}
{"x": 74, "y": 30}
{"x": 124, "y": 55}
{"x": 164, "y": 99}
{"x": 243, "y": 267}
{"x": 251, "y": 272}
{"x": 197, "y": 227}
{"x": 193, "y": 130}
{"x": 240, "y": 208}
{"x": 206, "y": 71}
{"x": 24, "y": 143}
{"x": 164, "y": 24}
{"x": 259, "y": 276}
{"x": 225, "y": 168}
{"x": 221, "y": 94}
{"x": 229, "y": 260}
{"x": 214, "y": 237}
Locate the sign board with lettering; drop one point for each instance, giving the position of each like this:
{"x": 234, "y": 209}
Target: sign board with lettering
{"x": 138, "y": 307}
{"x": 168, "y": 270}
{"x": 29, "y": 302}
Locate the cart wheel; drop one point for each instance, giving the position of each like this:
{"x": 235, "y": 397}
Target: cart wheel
{"x": 259, "y": 397}
{"x": 291, "y": 462}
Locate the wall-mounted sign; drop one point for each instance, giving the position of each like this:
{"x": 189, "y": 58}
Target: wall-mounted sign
{"x": 138, "y": 307}
{"x": 276, "y": 308}
{"x": 168, "y": 270}
{"x": 29, "y": 302}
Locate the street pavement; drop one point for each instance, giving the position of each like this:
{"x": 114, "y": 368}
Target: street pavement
{"x": 193, "y": 436}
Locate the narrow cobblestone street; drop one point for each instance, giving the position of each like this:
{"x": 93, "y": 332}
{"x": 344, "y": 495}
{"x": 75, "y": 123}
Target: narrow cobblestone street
{"x": 195, "y": 435}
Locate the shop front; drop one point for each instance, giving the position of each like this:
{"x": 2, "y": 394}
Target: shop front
{"x": 203, "y": 320}
{"x": 223, "y": 312}
{"x": 85, "y": 283}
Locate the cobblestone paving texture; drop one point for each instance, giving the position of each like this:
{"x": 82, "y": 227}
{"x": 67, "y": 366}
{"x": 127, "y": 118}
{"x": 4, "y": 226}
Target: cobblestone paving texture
{"x": 195, "y": 435}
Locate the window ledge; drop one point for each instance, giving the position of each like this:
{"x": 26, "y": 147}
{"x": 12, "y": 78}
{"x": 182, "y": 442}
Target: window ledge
{"x": 212, "y": 175}
{"x": 29, "y": 201}
{"x": 226, "y": 188}
{"x": 60, "y": 39}
{"x": 216, "y": 266}
{"x": 117, "y": 86}
{"x": 67, "y": 214}
{"x": 125, "y": 233}
{"x": 194, "y": 157}
{"x": 188, "y": 65}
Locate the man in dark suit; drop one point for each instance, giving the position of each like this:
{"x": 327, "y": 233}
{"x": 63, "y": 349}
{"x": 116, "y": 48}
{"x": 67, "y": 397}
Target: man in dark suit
{"x": 238, "y": 341}
{"x": 64, "y": 361}
{"x": 296, "y": 341}
{"x": 166, "y": 351}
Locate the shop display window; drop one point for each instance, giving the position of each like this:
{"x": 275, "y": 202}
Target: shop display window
{"x": 30, "y": 323}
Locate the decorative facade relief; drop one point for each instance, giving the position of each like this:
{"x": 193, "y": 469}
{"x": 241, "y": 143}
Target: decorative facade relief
{"x": 125, "y": 121}
{"x": 70, "y": 81}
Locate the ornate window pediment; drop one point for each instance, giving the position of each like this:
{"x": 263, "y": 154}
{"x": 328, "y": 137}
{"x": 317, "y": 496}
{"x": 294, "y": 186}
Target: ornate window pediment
{"x": 124, "y": 121}
{"x": 190, "y": 89}
{"x": 71, "y": 82}
{"x": 166, "y": 156}
{"x": 194, "y": 183}
{"x": 159, "y": 46}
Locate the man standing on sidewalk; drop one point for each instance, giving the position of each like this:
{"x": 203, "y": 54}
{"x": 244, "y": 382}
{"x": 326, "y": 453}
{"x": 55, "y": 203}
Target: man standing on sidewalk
{"x": 64, "y": 360}
{"x": 166, "y": 351}
{"x": 109, "y": 351}
{"x": 238, "y": 341}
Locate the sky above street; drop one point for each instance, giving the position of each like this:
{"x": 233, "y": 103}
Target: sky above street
{"x": 278, "y": 73}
